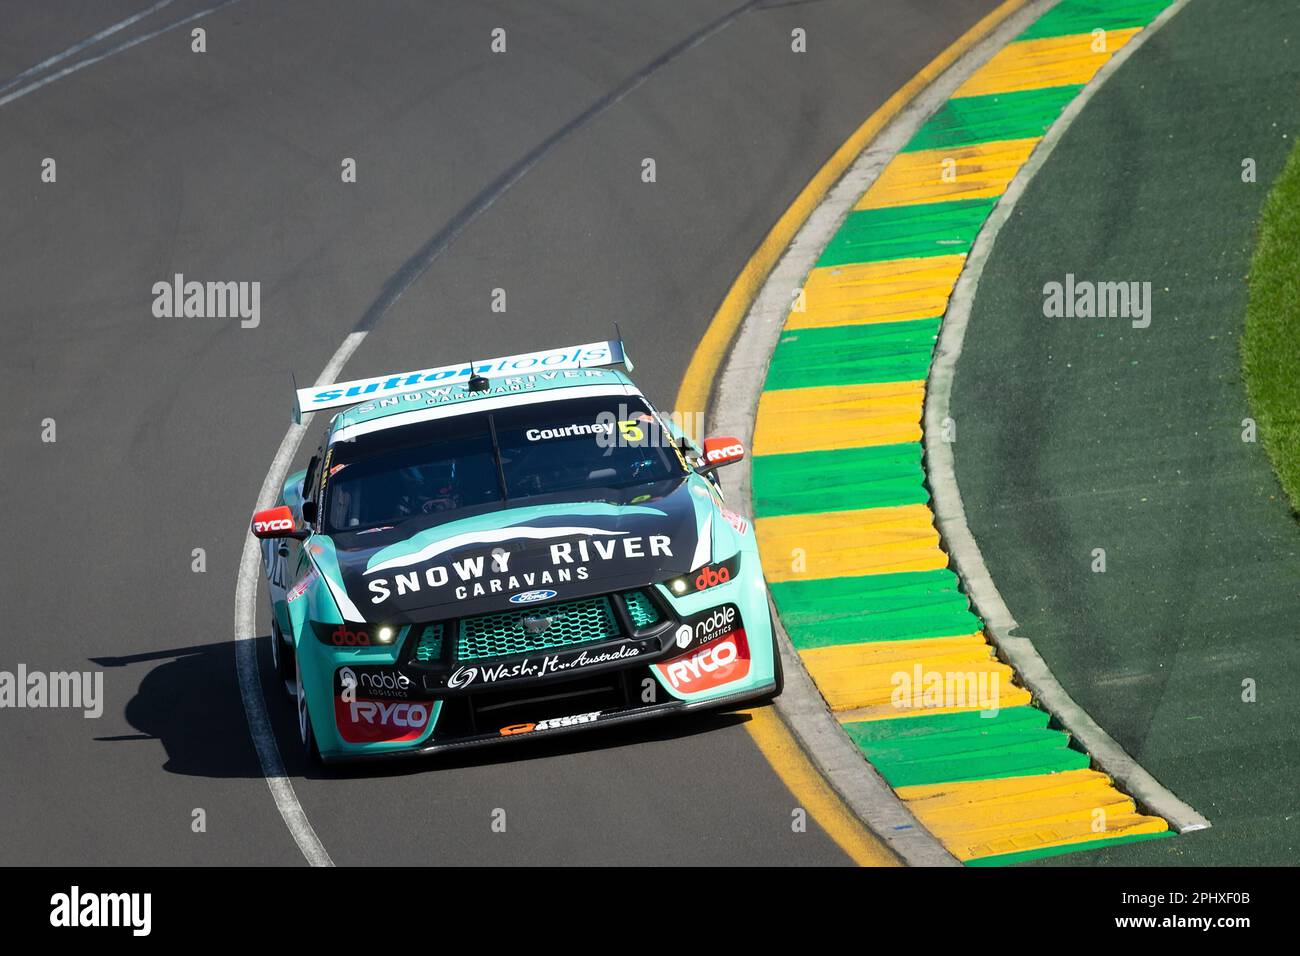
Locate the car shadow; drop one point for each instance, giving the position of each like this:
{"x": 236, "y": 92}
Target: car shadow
{"x": 189, "y": 701}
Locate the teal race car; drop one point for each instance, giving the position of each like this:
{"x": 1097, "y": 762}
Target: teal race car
{"x": 485, "y": 552}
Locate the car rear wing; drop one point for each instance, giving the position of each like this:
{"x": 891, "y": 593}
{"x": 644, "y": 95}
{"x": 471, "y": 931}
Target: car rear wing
{"x": 341, "y": 394}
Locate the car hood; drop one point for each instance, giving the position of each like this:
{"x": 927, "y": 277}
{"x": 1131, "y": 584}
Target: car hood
{"x": 519, "y": 556}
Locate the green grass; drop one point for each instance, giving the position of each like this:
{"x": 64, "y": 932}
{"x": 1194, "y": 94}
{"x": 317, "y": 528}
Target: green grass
{"x": 1271, "y": 345}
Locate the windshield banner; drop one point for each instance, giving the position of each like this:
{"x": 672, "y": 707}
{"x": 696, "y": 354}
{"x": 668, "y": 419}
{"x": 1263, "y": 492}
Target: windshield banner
{"x": 591, "y": 355}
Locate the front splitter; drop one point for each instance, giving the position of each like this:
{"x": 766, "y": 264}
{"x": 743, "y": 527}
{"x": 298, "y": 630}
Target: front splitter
{"x": 616, "y": 717}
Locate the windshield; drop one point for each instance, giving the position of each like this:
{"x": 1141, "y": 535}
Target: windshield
{"x": 483, "y": 459}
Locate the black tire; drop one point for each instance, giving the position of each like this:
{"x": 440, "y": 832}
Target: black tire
{"x": 282, "y": 660}
{"x": 305, "y": 733}
{"x": 778, "y": 672}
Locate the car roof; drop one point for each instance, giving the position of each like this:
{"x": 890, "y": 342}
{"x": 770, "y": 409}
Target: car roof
{"x": 441, "y": 401}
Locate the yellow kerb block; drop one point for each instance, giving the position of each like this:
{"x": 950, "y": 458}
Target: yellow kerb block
{"x": 1051, "y": 61}
{"x": 880, "y": 680}
{"x": 838, "y": 416}
{"x": 892, "y": 291}
{"x": 940, "y": 175}
{"x": 840, "y": 544}
{"x": 979, "y": 818}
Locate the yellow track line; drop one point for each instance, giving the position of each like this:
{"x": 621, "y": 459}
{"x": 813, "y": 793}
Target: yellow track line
{"x": 767, "y": 730}
{"x": 812, "y": 792}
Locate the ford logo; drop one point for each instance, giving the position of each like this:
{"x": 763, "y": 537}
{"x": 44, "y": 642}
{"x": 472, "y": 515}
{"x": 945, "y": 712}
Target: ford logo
{"x": 528, "y": 597}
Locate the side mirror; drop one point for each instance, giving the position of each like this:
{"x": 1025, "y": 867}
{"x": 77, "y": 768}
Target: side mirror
{"x": 276, "y": 523}
{"x": 721, "y": 451}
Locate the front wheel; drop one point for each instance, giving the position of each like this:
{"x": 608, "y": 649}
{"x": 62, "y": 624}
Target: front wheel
{"x": 305, "y": 733}
{"x": 778, "y": 672}
{"x": 283, "y": 660}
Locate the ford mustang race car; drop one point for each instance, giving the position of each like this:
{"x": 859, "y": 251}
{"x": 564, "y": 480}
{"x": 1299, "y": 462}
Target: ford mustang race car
{"x": 485, "y": 552}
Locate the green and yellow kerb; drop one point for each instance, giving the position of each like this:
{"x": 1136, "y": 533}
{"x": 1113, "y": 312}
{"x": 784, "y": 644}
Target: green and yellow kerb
{"x": 848, "y": 538}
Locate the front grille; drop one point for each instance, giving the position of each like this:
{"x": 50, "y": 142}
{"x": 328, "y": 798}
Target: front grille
{"x": 572, "y": 622}
{"x": 641, "y": 608}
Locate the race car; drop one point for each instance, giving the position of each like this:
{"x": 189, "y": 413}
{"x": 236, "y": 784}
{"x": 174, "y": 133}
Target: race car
{"x": 491, "y": 551}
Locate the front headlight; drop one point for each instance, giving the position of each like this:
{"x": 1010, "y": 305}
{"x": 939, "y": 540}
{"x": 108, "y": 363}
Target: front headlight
{"x": 352, "y": 634}
{"x": 708, "y": 576}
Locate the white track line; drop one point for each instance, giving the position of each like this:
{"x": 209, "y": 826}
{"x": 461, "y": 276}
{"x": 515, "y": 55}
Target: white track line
{"x": 246, "y": 589}
{"x": 111, "y": 51}
{"x": 951, "y": 515}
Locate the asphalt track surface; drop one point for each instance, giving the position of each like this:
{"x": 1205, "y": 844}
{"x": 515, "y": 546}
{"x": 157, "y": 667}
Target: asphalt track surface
{"x": 226, "y": 166}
